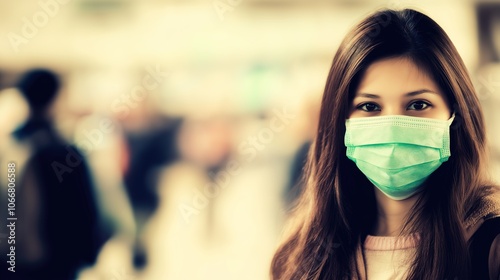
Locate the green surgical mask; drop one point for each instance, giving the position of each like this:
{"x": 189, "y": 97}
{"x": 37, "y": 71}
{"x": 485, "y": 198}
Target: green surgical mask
{"x": 398, "y": 153}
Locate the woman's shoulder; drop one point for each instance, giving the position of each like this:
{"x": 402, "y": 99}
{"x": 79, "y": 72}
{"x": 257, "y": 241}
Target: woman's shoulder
{"x": 486, "y": 207}
{"x": 483, "y": 235}
{"x": 484, "y": 249}
{"x": 494, "y": 260}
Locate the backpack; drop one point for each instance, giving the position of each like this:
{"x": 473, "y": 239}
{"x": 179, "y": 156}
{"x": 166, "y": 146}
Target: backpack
{"x": 480, "y": 245}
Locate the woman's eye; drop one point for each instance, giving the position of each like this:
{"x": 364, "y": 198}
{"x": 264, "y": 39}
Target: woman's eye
{"x": 418, "y": 105}
{"x": 368, "y": 107}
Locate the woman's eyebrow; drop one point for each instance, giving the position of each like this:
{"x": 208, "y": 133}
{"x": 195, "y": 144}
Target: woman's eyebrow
{"x": 420, "y": 91}
{"x": 369, "y": 95}
{"x": 409, "y": 94}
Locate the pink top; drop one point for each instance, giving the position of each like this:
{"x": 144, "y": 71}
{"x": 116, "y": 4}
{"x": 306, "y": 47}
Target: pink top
{"x": 389, "y": 257}
{"x": 390, "y": 243}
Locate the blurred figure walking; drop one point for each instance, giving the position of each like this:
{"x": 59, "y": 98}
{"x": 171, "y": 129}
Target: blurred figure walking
{"x": 58, "y": 230}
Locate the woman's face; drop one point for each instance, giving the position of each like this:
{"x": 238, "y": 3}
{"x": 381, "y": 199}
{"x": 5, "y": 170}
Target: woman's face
{"x": 396, "y": 86}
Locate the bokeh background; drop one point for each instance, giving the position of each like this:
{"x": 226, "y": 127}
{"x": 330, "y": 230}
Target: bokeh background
{"x": 193, "y": 117}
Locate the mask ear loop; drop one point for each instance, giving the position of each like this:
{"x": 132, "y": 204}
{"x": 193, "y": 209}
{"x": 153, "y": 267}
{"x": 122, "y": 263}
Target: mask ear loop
{"x": 450, "y": 120}
{"x": 456, "y": 118}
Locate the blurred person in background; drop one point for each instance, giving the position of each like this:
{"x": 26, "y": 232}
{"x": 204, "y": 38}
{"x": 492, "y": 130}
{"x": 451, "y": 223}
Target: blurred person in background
{"x": 150, "y": 143}
{"x": 182, "y": 238}
{"x": 206, "y": 144}
{"x": 101, "y": 140}
{"x": 397, "y": 184}
{"x": 59, "y": 229}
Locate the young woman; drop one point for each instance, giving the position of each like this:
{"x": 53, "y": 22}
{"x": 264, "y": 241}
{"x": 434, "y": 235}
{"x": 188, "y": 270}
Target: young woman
{"x": 396, "y": 184}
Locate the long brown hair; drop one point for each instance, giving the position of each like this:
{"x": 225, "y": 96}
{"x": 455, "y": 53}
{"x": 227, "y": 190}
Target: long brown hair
{"x": 337, "y": 207}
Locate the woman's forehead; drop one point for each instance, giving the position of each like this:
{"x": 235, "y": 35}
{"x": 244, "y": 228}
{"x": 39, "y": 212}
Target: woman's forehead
{"x": 394, "y": 77}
